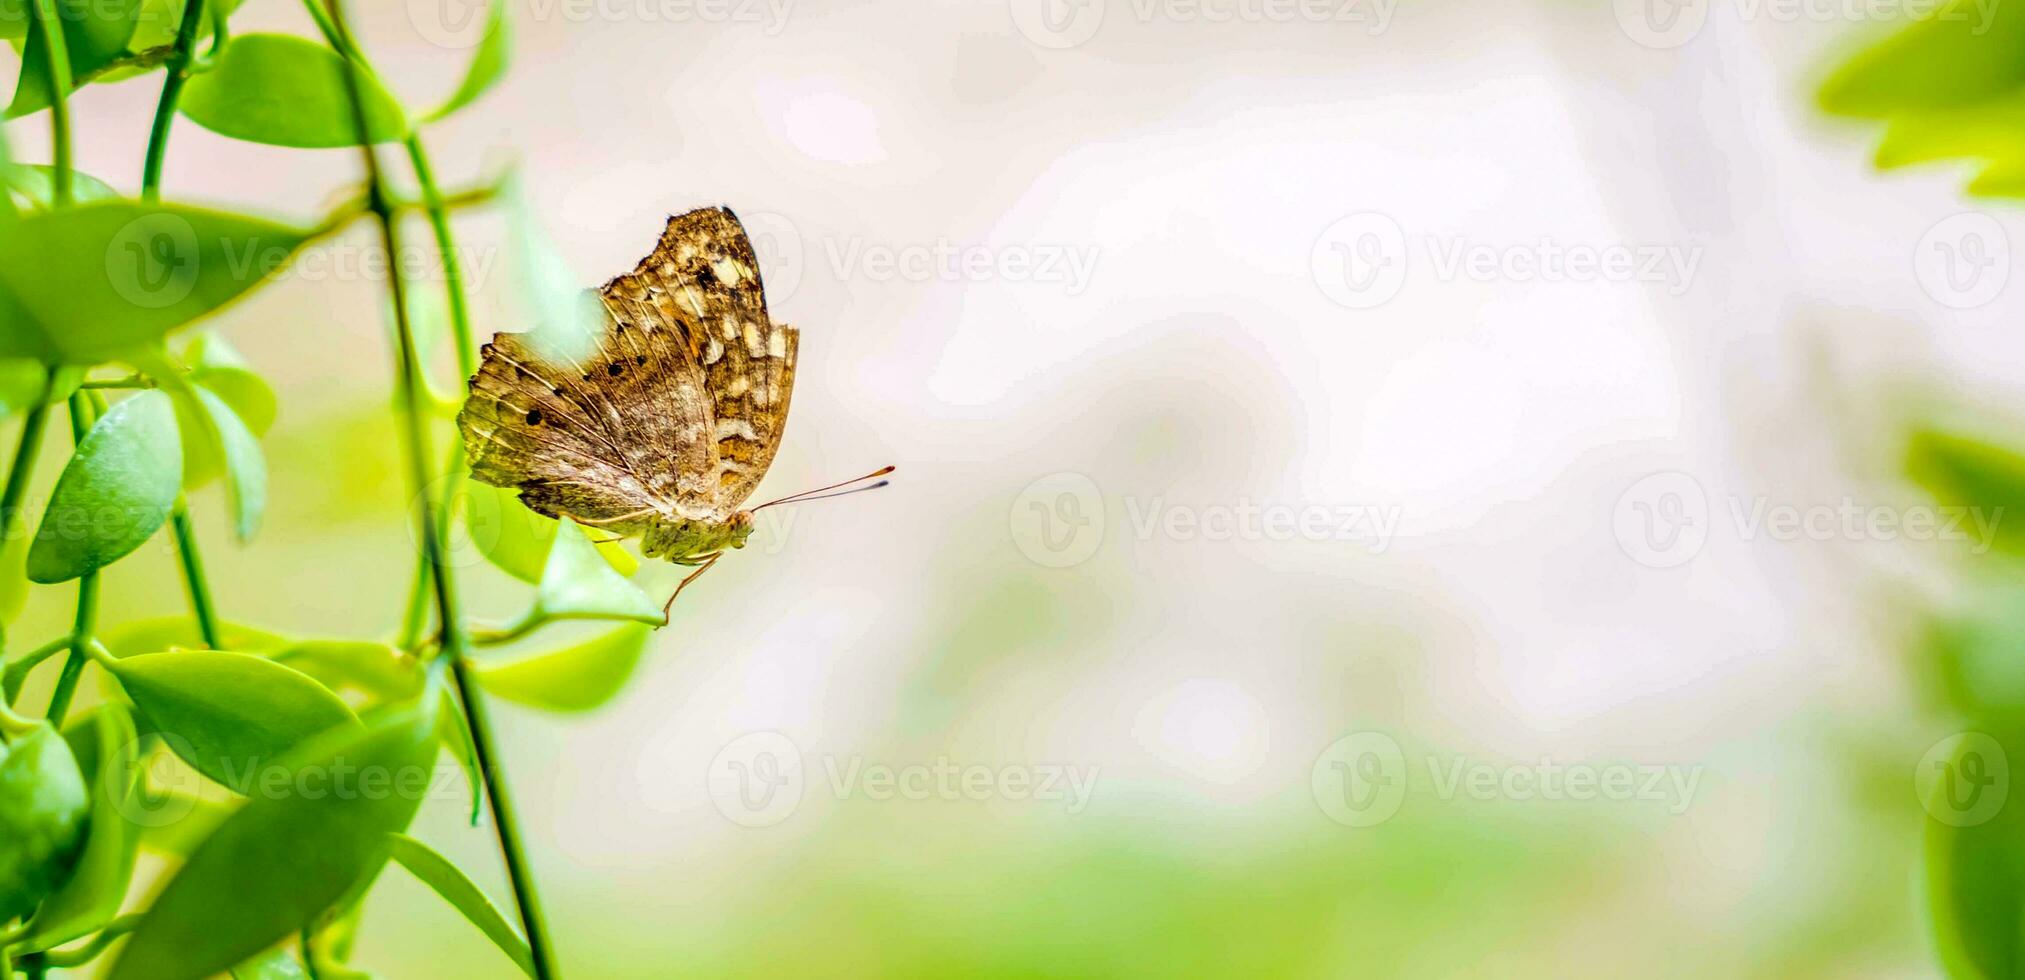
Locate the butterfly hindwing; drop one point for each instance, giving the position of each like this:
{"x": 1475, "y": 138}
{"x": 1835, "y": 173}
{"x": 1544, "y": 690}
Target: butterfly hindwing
{"x": 600, "y": 438}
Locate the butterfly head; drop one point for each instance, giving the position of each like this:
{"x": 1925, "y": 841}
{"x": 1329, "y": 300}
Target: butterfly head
{"x": 677, "y": 537}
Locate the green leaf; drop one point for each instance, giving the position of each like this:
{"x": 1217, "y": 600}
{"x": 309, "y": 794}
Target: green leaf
{"x": 116, "y": 490}
{"x": 577, "y": 583}
{"x": 180, "y": 633}
{"x": 217, "y": 441}
{"x": 34, "y": 184}
{"x": 1963, "y": 471}
{"x": 371, "y": 671}
{"x": 98, "y": 883}
{"x": 176, "y": 823}
{"x": 285, "y": 858}
{"x": 159, "y": 20}
{"x": 43, "y": 806}
{"x": 488, "y": 64}
{"x": 275, "y": 964}
{"x": 288, "y": 91}
{"x": 1966, "y": 53}
{"x": 231, "y": 716}
{"x": 25, "y": 383}
{"x": 94, "y": 31}
{"x": 92, "y": 283}
{"x": 215, "y": 365}
{"x": 447, "y": 881}
{"x": 580, "y": 677}
{"x": 1974, "y": 892}
{"x": 516, "y": 539}
{"x": 457, "y": 738}
{"x": 568, "y": 319}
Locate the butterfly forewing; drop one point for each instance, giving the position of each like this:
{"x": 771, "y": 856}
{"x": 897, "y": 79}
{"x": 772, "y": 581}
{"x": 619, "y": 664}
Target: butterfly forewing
{"x": 703, "y": 279}
{"x": 675, "y": 411}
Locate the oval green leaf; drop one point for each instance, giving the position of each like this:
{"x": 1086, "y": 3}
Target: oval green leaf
{"x": 371, "y": 671}
{"x": 1974, "y": 894}
{"x": 91, "y": 897}
{"x": 215, "y": 441}
{"x": 229, "y": 715}
{"x": 488, "y": 64}
{"x": 581, "y": 677}
{"x": 43, "y": 807}
{"x": 286, "y": 857}
{"x": 447, "y": 881}
{"x": 116, "y": 491}
{"x": 180, "y": 633}
{"x": 92, "y": 283}
{"x": 275, "y": 964}
{"x": 577, "y": 583}
{"x": 95, "y": 33}
{"x": 288, "y": 91}
{"x": 34, "y": 184}
{"x": 516, "y": 539}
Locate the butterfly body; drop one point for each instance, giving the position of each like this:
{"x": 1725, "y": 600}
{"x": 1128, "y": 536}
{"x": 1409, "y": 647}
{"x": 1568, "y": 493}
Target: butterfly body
{"x": 664, "y": 423}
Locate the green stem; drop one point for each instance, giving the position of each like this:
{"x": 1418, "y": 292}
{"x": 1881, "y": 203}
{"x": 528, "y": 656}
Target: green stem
{"x": 194, "y": 582}
{"x": 172, "y": 90}
{"x": 455, "y": 642}
{"x": 193, "y": 577}
{"x": 23, "y": 467}
{"x": 87, "y": 595}
{"x": 56, "y": 59}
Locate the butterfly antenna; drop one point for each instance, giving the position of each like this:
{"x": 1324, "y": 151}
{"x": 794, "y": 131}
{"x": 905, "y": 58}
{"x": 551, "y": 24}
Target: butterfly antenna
{"x": 821, "y": 493}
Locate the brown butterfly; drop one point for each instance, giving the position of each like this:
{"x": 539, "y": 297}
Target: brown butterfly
{"x": 665, "y": 423}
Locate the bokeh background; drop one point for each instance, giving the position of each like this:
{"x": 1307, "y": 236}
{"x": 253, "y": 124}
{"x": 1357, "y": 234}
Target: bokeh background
{"x": 1114, "y": 283}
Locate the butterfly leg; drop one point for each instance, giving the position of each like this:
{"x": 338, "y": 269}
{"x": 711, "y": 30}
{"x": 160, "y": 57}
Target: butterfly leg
{"x": 703, "y": 565}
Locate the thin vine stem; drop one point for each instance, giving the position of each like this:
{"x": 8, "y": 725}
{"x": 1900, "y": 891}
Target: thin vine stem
{"x": 454, "y": 639}
{"x": 81, "y": 416}
{"x": 202, "y": 607}
{"x": 194, "y": 581}
{"x": 56, "y": 59}
{"x": 177, "y": 74}
{"x": 23, "y": 468}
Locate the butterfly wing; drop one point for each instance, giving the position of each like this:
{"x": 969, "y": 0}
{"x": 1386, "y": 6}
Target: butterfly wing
{"x": 609, "y": 437}
{"x": 702, "y": 282}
